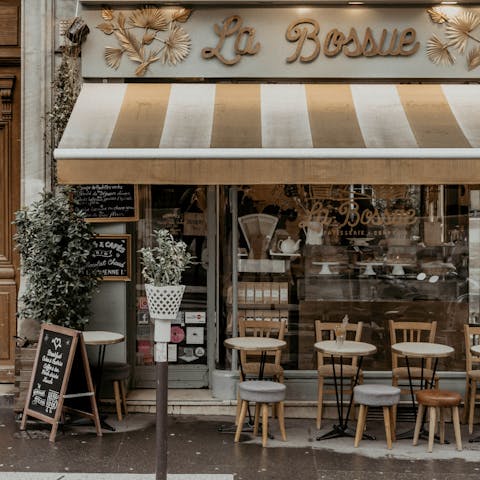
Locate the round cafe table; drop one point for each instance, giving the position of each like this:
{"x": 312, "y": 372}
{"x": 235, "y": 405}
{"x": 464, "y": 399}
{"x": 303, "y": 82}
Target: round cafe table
{"x": 255, "y": 344}
{"x": 422, "y": 350}
{"x": 101, "y": 339}
{"x": 346, "y": 349}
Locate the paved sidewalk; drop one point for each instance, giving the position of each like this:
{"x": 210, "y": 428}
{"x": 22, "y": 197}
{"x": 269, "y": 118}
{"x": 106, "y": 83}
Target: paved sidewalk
{"x": 198, "y": 451}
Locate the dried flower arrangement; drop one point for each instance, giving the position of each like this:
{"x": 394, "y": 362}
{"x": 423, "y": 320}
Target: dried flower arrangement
{"x": 164, "y": 264}
{"x": 459, "y": 30}
{"x": 151, "y": 21}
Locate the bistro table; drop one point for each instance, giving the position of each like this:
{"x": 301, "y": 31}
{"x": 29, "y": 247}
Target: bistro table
{"x": 252, "y": 344}
{"x": 422, "y": 350}
{"x": 101, "y": 339}
{"x": 255, "y": 344}
{"x": 341, "y": 350}
{"x": 475, "y": 349}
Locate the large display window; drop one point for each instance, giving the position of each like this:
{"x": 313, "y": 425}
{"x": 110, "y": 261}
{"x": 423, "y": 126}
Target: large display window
{"x": 372, "y": 252}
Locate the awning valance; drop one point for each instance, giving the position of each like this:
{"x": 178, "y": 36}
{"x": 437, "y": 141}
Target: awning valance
{"x": 272, "y": 133}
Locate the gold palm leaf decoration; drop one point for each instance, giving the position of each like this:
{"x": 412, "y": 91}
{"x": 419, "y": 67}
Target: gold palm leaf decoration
{"x": 181, "y": 15}
{"x": 437, "y": 16}
{"x": 473, "y": 58}
{"x": 459, "y": 29}
{"x": 107, "y": 14}
{"x": 149, "y": 17}
{"x": 131, "y": 45}
{"x": 438, "y": 53}
{"x": 177, "y": 46}
{"x": 113, "y": 56}
{"x": 155, "y": 25}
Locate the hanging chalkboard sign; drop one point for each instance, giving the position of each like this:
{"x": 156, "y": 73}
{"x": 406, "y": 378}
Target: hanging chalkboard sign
{"x": 108, "y": 203}
{"x": 111, "y": 256}
{"x": 61, "y": 379}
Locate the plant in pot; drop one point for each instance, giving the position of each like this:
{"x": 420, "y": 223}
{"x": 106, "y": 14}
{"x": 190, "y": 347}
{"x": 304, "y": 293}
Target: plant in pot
{"x": 162, "y": 270}
{"x": 55, "y": 243}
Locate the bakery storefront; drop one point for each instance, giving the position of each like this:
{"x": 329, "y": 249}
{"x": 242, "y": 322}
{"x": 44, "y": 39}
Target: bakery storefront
{"x": 317, "y": 161}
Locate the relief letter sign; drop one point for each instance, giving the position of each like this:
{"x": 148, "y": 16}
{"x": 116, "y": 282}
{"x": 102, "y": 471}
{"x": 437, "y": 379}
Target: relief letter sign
{"x": 244, "y": 40}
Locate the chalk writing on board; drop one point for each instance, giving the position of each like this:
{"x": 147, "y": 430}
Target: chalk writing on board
{"x": 102, "y": 202}
{"x": 111, "y": 256}
{"x": 50, "y": 371}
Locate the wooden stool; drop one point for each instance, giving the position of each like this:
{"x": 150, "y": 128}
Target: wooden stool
{"x": 117, "y": 373}
{"x": 262, "y": 392}
{"x": 384, "y": 396}
{"x": 440, "y": 399}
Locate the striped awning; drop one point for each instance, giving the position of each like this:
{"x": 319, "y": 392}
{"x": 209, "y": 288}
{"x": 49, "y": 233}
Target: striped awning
{"x": 272, "y": 133}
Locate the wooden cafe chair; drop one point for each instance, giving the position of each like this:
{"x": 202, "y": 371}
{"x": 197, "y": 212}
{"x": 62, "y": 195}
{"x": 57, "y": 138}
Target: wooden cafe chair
{"x": 326, "y": 331}
{"x": 472, "y": 378}
{"x": 404, "y": 331}
{"x": 250, "y": 361}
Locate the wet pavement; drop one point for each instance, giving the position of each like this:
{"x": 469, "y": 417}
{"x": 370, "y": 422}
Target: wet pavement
{"x": 197, "y": 447}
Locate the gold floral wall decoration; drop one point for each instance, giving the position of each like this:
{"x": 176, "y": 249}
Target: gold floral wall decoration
{"x": 139, "y": 34}
{"x": 461, "y": 34}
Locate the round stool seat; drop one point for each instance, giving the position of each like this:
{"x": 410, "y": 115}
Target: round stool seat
{"x": 262, "y": 391}
{"x": 376, "y": 395}
{"x": 438, "y": 398}
{"x": 115, "y": 371}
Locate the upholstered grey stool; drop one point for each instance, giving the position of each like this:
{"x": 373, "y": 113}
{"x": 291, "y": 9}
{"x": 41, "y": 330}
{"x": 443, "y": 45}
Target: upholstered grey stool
{"x": 384, "y": 396}
{"x": 262, "y": 392}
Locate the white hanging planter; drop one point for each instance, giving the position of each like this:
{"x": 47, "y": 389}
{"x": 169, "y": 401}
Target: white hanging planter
{"x": 163, "y": 306}
{"x": 164, "y": 302}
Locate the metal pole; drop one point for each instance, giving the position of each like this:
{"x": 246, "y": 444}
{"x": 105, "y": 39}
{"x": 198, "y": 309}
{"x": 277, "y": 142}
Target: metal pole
{"x": 161, "y": 370}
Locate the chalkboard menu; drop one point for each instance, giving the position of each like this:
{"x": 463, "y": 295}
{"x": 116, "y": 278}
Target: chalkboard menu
{"x": 60, "y": 379}
{"x": 108, "y": 203}
{"x": 112, "y": 256}
{"x": 50, "y": 372}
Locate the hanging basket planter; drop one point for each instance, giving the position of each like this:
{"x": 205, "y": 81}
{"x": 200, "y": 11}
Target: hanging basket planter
{"x": 164, "y": 302}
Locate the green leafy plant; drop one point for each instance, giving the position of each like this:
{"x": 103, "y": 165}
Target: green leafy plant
{"x": 164, "y": 264}
{"x": 55, "y": 244}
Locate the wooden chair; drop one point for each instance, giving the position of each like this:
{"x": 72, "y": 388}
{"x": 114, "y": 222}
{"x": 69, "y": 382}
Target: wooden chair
{"x": 472, "y": 337}
{"x": 251, "y": 360}
{"x": 402, "y": 331}
{"x": 326, "y": 331}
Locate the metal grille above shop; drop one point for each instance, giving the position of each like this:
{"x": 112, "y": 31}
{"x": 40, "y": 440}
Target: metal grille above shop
{"x": 272, "y": 133}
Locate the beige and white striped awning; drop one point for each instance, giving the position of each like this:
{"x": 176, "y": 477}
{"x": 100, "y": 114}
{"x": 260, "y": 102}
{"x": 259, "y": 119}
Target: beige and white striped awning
{"x": 272, "y": 133}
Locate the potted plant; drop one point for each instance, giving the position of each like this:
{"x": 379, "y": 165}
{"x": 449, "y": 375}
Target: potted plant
{"x": 55, "y": 245}
{"x": 162, "y": 270}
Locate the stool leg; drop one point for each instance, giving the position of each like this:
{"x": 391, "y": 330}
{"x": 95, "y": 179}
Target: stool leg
{"x": 123, "y": 392}
{"x": 456, "y": 427}
{"x": 241, "y": 419}
{"x": 418, "y": 423}
{"x": 431, "y": 433}
{"x": 473, "y": 391}
{"x": 281, "y": 420}
{"x": 362, "y": 416}
{"x": 388, "y": 430}
{"x": 319, "y": 403}
{"x": 264, "y": 424}
{"x": 256, "y": 419}
{"x": 467, "y": 401}
{"x": 442, "y": 425}
{"x": 392, "y": 424}
{"x": 116, "y": 390}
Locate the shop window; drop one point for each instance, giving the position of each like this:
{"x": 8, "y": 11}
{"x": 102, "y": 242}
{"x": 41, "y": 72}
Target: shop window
{"x": 183, "y": 211}
{"x": 372, "y": 252}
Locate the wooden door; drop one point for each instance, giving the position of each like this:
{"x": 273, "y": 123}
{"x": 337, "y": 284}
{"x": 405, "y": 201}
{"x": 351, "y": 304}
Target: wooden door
{"x": 9, "y": 179}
